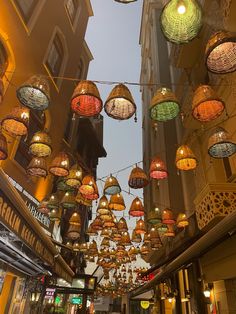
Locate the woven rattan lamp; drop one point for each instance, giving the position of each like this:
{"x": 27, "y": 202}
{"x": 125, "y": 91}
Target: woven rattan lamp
{"x": 164, "y": 105}
{"x": 53, "y": 201}
{"x": 122, "y": 225}
{"x": 106, "y": 233}
{"x": 221, "y": 53}
{"x": 93, "y": 196}
{"x": 146, "y": 238}
{"x": 74, "y": 178}
{"x": 117, "y": 202}
{"x": 37, "y": 167}
{"x": 206, "y": 105}
{"x": 220, "y": 144}
{"x": 182, "y": 220}
{"x": 103, "y": 206}
{"x": 83, "y": 247}
{"x": 76, "y": 246}
{"x": 125, "y": 239}
{"x": 75, "y": 219}
{"x": 138, "y": 178}
{"x": 43, "y": 207}
{"x": 181, "y": 20}
{"x": 34, "y": 93}
{"x": 140, "y": 227}
{"x": 68, "y": 201}
{"x": 86, "y": 99}
{"x": 111, "y": 186}
{"x": 73, "y": 232}
{"x": 97, "y": 224}
{"x": 154, "y": 216}
{"x": 55, "y": 214}
{"x": 120, "y": 104}
{"x": 170, "y": 233}
{"x": 91, "y": 231}
{"x": 60, "y": 165}
{"x": 136, "y": 237}
{"x": 144, "y": 250}
{"x": 168, "y": 217}
{"x": 158, "y": 169}
{"x": 40, "y": 144}
{"x": 3, "y": 147}
{"x": 185, "y": 158}
{"x": 136, "y": 208}
{"x": 87, "y": 186}
{"x": 17, "y": 122}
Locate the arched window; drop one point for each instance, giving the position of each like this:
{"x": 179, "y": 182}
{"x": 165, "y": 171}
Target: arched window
{"x": 3, "y": 60}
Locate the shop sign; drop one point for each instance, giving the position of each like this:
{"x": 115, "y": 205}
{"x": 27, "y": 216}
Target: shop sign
{"x": 76, "y": 300}
{"x": 145, "y": 304}
{"x": 49, "y": 294}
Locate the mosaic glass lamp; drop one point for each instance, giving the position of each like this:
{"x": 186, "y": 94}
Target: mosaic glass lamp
{"x": 221, "y": 53}
{"x": 87, "y": 187}
{"x": 206, "y": 105}
{"x": 74, "y": 178}
{"x": 37, "y": 167}
{"x": 185, "y": 158}
{"x": 140, "y": 227}
{"x": 68, "y": 201}
{"x": 136, "y": 208}
{"x": 34, "y": 93}
{"x": 182, "y": 220}
{"x": 154, "y": 216}
{"x": 40, "y": 144}
{"x": 117, "y": 202}
{"x": 168, "y": 217}
{"x": 120, "y": 104}
{"x": 164, "y": 105}
{"x": 86, "y": 99}
{"x": 3, "y": 147}
{"x": 17, "y": 122}
{"x": 138, "y": 178}
{"x": 220, "y": 144}
{"x": 60, "y": 165}
{"x": 181, "y": 20}
{"x": 158, "y": 169}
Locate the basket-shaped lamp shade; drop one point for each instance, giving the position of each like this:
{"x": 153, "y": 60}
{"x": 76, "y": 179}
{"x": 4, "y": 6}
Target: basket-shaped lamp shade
{"x": 154, "y": 216}
{"x": 60, "y": 165}
{"x": 53, "y": 201}
{"x": 140, "y": 227}
{"x": 158, "y": 169}
{"x": 117, "y": 202}
{"x": 206, "y": 105}
{"x": 106, "y": 216}
{"x": 93, "y": 247}
{"x": 103, "y": 206}
{"x": 144, "y": 250}
{"x": 43, "y": 207}
{"x": 40, "y": 144}
{"x": 136, "y": 208}
{"x": 181, "y": 20}
{"x": 74, "y": 178}
{"x": 111, "y": 186}
{"x": 87, "y": 187}
{"x": 91, "y": 231}
{"x": 162, "y": 228}
{"x": 146, "y": 238}
{"x": 73, "y": 232}
{"x": 55, "y": 214}
{"x": 164, "y": 105}
{"x": 62, "y": 186}
{"x": 185, "y": 158}
{"x": 109, "y": 224}
{"x": 136, "y": 237}
{"x": 97, "y": 224}
{"x": 122, "y": 225}
{"x": 138, "y": 178}
{"x": 83, "y": 247}
{"x": 3, "y": 147}
{"x": 94, "y": 195}
{"x": 37, "y": 167}
{"x": 17, "y": 122}
{"x": 182, "y": 220}
{"x": 82, "y": 200}
{"x": 106, "y": 233}
{"x": 105, "y": 243}
{"x": 75, "y": 219}
{"x": 76, "y": 247}
{"x": 68, "y": 201}
{"x": 168, "y": 217}
{"x": 220, "y": 145}
{"x": 86, "y": 99}
{"x": 120, "y": 104}
{"x": 125, "y": 239}
{"x": 221, "y": 53}
{"x": 69, "y": 245}
{"x": 170, "y": 233}
{"x": 154, "y": 234}
{"x": 34, "y": 93}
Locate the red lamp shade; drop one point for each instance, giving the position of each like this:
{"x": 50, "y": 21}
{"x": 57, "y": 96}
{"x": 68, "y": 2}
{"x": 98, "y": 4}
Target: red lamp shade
{"x": 158, "y": 169}
{"x": 136, "y": 208}
{"x": 168, "y": 217}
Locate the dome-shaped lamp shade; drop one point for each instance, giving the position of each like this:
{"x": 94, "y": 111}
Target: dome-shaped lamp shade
{"x": 221, "y": 53}
{"x": 68, "y": 201}
{"x": 182, "y": 221}
{"x": 62, "y": 186}
{"x": 43, "y": 207}
{"x": 164, "y": 105}
{"x": 206, "y": 105}
{"x": 73, "y": 232}
{"x": 105, "y": 243}
{"x": 80, "y": 199}
{"x": 69, "y": 245}
{"x": 37, "y": 167}
{"x": 53, "y": 201}
{"x": 76, "y": 247}
{"x": 106, "y": 233}
{"x": 185, "y": 158}
{"x": 40, "y": 144}
{"x": 109, "y": 224}
{"x": 97, "y": 224}
{"x": 168, "y": 217}
{"x": 86, "y": 99}
{"x": 162, "y": 228}
{"x": 156, "y": 244}
{"x": 170, "y": 233}
{"x": 117, "y": 202}
{"x": 55, "y": 214}
{"x": 122, "y": 225}
{"x": 74, "y": 178}
{"x": 111, "y": 186}
{"x": 220, "y": 145}
{"x": 120, "y": 104}
{"x": 154, "y": 235}
{"x": 154, "y": 216}
{"x": 181, "y": 20}
{"x": 93, "y": 247}
{"x": 34, "y": 93}
{"x": 144, "y": 250}
{"x": 136, "y": 237}
{"x": 17, "y": 122}
{"x": 125, "y": 238}
{"x": 146, "y": 238}
{"x": 103, "y": 206}
{"x": 83, "y": 247}
{"x": 158, "y": 169}
{"x": 140, "y": 227}
{"x": 94, "y": 195}
{"x": 75, "y": 219}
{"x": 91, "y": 232}
{"x": 3, "y": 147}
{"x": 136, "y": 208}
{"x": 138, "y": 178}
{"x": 60, "y": 165}
{"x": 87, "y": 187}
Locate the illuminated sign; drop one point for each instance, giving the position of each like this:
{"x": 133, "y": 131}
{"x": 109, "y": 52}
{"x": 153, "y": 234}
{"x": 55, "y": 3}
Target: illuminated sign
{"x": 145, "y": 304}
{"x": 76, "y": 300}
{"x": 49, "y": 293}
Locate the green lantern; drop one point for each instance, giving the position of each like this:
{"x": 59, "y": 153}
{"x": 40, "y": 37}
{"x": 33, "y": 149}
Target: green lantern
{"x": 154, "y": 216}
{"x": 181, "y": 20}
{"x": 164, "y": 105}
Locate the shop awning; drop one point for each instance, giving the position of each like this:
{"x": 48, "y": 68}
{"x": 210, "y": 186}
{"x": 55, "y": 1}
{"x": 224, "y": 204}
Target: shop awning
{"x": 16, "y": 217}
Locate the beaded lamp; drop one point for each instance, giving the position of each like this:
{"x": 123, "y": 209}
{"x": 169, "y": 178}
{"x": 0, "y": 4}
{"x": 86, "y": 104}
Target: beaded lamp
{"x": 40, "y": 144}
{"x": 87, "y": 186}
{"x": 120, "y": 104}
{"x": 168, "y": 217}
{"x": 185, "y": 158}
{"x": 34, "y": 93}
{"x": 53, "y": 201}
{"x": 55, "y": 214}
{"x": 154, "y": 216}
{"x": 74, "y": 178}
{"x": 60, "y": 165}
{"x": 117, "y": 202}
{"x": 140, "y": 227}
{"x": 138, "y": 178}
{"x": 43, "y": 207}
{"x": 17, "y": 122}
{"x": 182, "y": 220}
{"x": 68, "y": 201}
{"x": 37, "y": 167}
{"x": 122, "y": 225}
{"x": 220, "y": 145}
{"x": 136, "y": 208}
{"x": 111, "y": 186}
{"x": 86, "y": 99}
{"x": 3, "y": 147}
{"x": 206, "y": 105}
{"x": 158, "y": 169}
{"x": 181, "y": 20}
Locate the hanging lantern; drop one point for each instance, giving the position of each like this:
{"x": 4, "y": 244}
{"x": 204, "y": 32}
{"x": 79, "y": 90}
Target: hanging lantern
{"x": 94, "y": 195}
{"x": 80, "y": 199}
{"x": 43, "y": 207}
{"x": 106, "y": 233}
{"x": 83, "y": 247}
{"x": 106, "y": 217}
{"x": 117, "y": 202}
{"x": 62, "y": 186}
{"x": 147, "y": 238}
{"x": 170, "y": 231}
{"x": 168, "y": 217}
{"x": 185, "y": 158}
{"x": 53, "y": 201}
{"x": 154, "y": 216}
{"x": 34, "y": 93}
{"x": 93, "y": 249}
{"x": 164, "y": 105}
{"x": 120, "y": 104}
{"x": 73, "y": 232}
{"x": 136, "y": 209}
{"x": 69, "y": 245}
{"x": 40, "y": 144}
{"x": 144, "y": 250}
{"x": 136, "y": 237}
{"x": 75, "y": 219}
{"x": 105, "y": 243}
{"x": 37, "y": 167}
{"x": 112, "y": 186}
{"x": 55, "y": 214}
{"x": 17, "y": 122}
{"x": 138, "y": 178}
{"x": 140, "y": 227}
{"x": 221, "y": 53}
{"x": 122, "y": 225}
{"x": 74, "y": 178}
{"x": 109, "y": 224}
{"x": 76, "y": 247}
{"x": 220, "y": 145}
{"x": 87, "y": 187}
{"x": 86, "y": 99}
{"x": 60, "y": 165}
{"x": 162, "y": 228}
{"x": 103, "y": 206}
{"x": 181, "y": 20}
{"x": 91, "y": 232}
{"x": 97, "y": 224}
{"x": 68, "y": 201}
{"x": 115, "y": 236}
{"x": 158, "y": 169}
{"x": 156, "y": 244}
{"x": 182, "y": 221}
{"x": 3, "y": 147}
{"x": 206, "y": 105}
{"x": 125, "y": 239}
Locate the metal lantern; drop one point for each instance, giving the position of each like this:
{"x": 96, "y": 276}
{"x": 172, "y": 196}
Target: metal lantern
{"x": 138, "y": 178}
{"x": 55, "y": 214}
{"x": 53, "y": 201}
{"x": 136, "y": 208}
{"x": 120, "y": 104}
{"x": 103, "y": 206}
{"x": 154, "y": 216}
{"x": 87, "y": 187}
{"x": 136, "y": 237}
{"x": 122, "y": 225}
{"x": 43, "y": 207}
{"x": 37, "y": 167}
{"x": 60, "y": 165}
{"x": 40, "y": 144}
{"x": 17, "y": 122}
{"x": 182, "y": 220}
{"x": 73, "y": 232}
{"x": 34, "y": 93}
{"x": 170, "y": 231}
{"x": 74, "y": 178}
{"x": 158, "y": 169}
{"x": 68, "y": 201}
{"x": 76, "y": 246}
{"x": 117, "y": 202}
{"x": 206, "y": 105}
{"x": 221, "y": 53}
{"x": 181, "y": 20}
{"x": 111, "y": 186}
{"x": 185, "y": 158}
{"x": 168, "y": 217}
{"x": 220, "y": 145}
{"x": 86, "y": 99}
{"x": 164, "y": 105}
{"x": 3, "y": 147}
{"x": 91, "y": 231}
{"x": 125, "y": 238}
{"x": 140, "y": 227}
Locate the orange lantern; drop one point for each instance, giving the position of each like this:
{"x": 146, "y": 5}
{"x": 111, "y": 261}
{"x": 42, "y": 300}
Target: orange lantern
{"x": 122, "y": 225}
{"x": 158, "y": 169}
{"x": 140, "y": 227}
{"x": 138, "y": 178}
{"x": 88, "y": 185}
{"x": 168, "y": 217}
{"x": 17, "y": 122}
{"x": 170, "y": 231}
{"x": 182, "y": 220}
{"x": 136, "y": 209}
{"x": 117, "y": 202}
{"x": 185, "y": 158}
{"x": 136, "y": 237}
{"x": 75, "y": 219}
{"x": 60, "y": 165}
{"x": 125, "y": 238}
{"x": 37, "y": 167}
{"x": 103, "y": 206}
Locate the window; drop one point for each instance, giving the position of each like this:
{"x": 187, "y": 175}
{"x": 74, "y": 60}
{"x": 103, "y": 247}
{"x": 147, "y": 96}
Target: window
{"x": 71, "y": 7}
{"x": 3, "y": 60}
{"x": 55, "y": 56}
{"x": 26, "y": 8}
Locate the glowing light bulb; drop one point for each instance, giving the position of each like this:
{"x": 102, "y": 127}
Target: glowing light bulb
{"x": 181, "y": 9}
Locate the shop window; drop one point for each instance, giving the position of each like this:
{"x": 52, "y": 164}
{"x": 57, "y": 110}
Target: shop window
{"x": 26, "y": 8}
{"x": 72, "y": 7}
{"x": 3, "y": 60}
